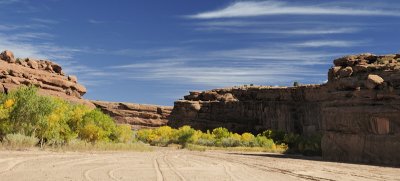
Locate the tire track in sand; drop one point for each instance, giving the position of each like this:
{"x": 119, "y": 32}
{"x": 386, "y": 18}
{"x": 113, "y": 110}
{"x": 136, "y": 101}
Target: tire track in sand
{"x": 171, "y": 167}
{"x": 22, "y": 161}
{"x": 156, "y": 165}
{"x": 86, "y": 174}
{"x": 110, "y": 173}
{"x": 270, "y": 169}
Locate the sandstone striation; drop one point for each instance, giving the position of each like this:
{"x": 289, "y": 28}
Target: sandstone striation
{"x": 357, "y": 110}
{"x": 46, "y": 75}
{"x": 137, "y": 115}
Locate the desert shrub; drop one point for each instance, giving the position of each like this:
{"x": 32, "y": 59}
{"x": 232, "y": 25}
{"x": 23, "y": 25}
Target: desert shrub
{"x": 55, "y": 121}
{"x": 161, "y": 136}
{"x": 76, "y": 118}
{"x": 185, "y": 135}
{"x": 19, "y": 141}
{"x": 124, "y": 133}
{"x": 220, "y": 133}
{"x": 5, "y": 124}
{"x": 54, "y": 129}
{"x": 28, "y": 111}
{"x": 81, "y": 145}
{"x": 292, "y": 140}
{"x": 277, "y": 135}
{"x": 233, "y": 140}
{"x": 92, "y": 133}
{"x": 205, "y": 142}
{"x": 144, "y": 135}
{"x": 248, "y": 139}
{"x": 97, "y": 126}
{"x": 230, "y": 142}
{"x": 263, "y": 141}
{"x": 309, "y": 145}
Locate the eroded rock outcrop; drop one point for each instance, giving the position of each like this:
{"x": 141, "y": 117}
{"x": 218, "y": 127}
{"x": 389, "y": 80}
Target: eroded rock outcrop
{"x": 46, "y": 75}
{"x": 357, "y": 110}
{"x": 137, "y": 115}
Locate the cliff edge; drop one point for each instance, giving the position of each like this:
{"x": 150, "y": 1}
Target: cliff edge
{"x": 357, "y": 110}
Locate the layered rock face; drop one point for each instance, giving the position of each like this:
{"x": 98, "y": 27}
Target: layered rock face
{"x": 44, "y": 74}
{"x": 137, "y": 115}
{"x": 357, "y": 110}
{"x": 51, "y": 80}
{"x": 361, "y": 118}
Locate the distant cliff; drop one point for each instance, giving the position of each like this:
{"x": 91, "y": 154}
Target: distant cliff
{"x": 46, "y": 75}
{"x": 357, "y": 110}
{"x": 137, "y": 115}
{"x": 51, "y": 80}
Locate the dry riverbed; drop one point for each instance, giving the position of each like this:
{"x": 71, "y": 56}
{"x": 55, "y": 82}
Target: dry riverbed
{"x": 173, "y": 164}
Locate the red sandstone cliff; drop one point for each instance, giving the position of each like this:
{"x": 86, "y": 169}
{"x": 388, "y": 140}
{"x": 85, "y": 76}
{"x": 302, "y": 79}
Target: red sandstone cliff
{"x": 357, "y": 110}
{"x": 46, "y": 75}
{"x": 51, "y": 80}
{"x": 137, "y": 115}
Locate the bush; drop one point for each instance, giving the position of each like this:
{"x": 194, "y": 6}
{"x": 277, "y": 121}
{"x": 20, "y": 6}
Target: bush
{"x": 185, "y": 135}
{"x": 248, "y": 139}
{"x": 124, "y": 133}
{"x": 97, "y": 126}
{"x": 28, "y": 111}
{"x": 55, "y": 121}
{"x": 277, "y": 135}
{"x": 19, "y": 141}
{"x": 263, "y": 141}
{"x": 161, "y": 136}
{"x": 220, "y": 133}
{"x": 205, "y": 142}
{"x": 230, "y": 142}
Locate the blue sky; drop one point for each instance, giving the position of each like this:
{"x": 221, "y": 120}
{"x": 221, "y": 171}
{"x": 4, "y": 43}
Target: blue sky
{"x": 154, "y": 52}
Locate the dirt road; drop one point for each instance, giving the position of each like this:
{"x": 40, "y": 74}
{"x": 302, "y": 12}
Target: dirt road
{"x": 171, "y": 164}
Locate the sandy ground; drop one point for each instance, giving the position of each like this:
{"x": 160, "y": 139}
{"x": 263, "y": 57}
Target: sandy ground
{"x": 171, "y": 164}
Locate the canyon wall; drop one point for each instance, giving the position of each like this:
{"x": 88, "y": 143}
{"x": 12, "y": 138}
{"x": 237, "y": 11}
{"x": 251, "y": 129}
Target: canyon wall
{"x": 46, "y": 75}
{"x": 52, "y": 81}
{"x": 137, "y": 115}
{"x": 357, "y": 110}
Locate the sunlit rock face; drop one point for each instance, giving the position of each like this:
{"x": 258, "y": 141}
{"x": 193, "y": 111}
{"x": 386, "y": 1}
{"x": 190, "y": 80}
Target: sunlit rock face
{"x": 137, "y": 115}
{"x": 357, "y": 110}
{"x": 46, "y": 75}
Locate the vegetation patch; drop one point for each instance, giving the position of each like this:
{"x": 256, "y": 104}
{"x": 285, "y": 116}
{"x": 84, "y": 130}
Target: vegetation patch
{"x": 28, "y": 119}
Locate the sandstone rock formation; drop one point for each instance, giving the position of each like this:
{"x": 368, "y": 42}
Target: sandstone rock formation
{"x": 137, "y": 115}
{"x": 357, "y": 110}
{"x": 51, "y": 80}
{"x": 46, "y": 75}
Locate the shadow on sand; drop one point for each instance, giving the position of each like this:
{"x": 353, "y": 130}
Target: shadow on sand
{"x": 311, "y": 158}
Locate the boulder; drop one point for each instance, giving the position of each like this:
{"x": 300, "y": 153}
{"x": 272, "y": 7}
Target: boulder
{"x": 72, "y": 78}
{"x": 8, "y": 56}
{"x": 373, "y": 81}
{"x": 345, "y": 61}
{"x": 346, "y": 72}
{"x": 32, "y": 64}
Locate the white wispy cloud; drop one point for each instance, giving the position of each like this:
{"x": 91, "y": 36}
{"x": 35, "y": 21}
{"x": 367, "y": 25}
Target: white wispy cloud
{"x": 3, "y": 2}
{"x": 292, "y": 31}
{"x": 265, "y": 8}
{"x": 93, "y": 21}
{"x": 218, "y": 75}
{"x": 330, "y": 43}
{"x": 44, "y": 21}
{"x": 259, "y": 65}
